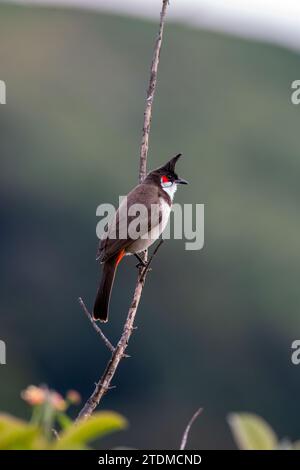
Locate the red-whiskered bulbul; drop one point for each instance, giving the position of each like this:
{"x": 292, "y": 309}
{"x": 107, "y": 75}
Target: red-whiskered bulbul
{"x": 155, "y": 194}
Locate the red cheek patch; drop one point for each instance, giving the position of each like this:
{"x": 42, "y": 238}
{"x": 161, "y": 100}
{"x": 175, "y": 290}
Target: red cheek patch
{"x": 165, "y": 179}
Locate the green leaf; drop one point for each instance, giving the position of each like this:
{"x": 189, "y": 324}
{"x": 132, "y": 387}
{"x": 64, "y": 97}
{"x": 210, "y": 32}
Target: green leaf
{"x": 82, "y": 432}
{"x": 64, "y": 420}
{"x": 16, "y": 434}
{"x": 252, "y": 432}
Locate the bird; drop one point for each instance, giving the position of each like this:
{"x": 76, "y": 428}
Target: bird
{"x": 154, "y": 194}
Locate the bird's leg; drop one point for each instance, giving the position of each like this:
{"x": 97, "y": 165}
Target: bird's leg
{"x": 141, "y": 263}
{"x": 147, "y": 267}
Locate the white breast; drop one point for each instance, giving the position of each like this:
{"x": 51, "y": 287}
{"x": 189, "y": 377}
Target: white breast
{"x": 143, "y": 243}
{"x": 170, "y": 190}
{"x": 165, "y": 211}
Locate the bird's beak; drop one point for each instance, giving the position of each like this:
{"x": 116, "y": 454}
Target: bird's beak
{"x": 181, "y": 181}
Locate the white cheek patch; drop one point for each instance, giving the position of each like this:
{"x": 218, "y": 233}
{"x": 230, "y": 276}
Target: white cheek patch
{"x": 170, "y": 189}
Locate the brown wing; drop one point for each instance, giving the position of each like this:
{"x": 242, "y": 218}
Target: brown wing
{"x": 117, "y": 237}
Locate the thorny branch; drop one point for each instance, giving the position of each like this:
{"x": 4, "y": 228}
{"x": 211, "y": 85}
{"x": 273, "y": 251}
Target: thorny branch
{"x": 103, "y": 385}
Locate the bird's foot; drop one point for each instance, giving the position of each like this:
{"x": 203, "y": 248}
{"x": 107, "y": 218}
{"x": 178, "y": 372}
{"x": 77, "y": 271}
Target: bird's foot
{"x": 142, "y": 264}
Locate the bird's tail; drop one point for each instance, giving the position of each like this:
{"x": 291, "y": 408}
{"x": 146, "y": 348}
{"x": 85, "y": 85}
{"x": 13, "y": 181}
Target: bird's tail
{"x": 101, "y": 306}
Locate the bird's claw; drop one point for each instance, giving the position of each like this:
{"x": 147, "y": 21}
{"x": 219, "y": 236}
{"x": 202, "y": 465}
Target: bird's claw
{"x": 141, "y": 265}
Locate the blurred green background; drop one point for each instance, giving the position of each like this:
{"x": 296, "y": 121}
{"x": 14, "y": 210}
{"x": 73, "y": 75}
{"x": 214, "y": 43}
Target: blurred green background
{"x": 214, "y": 326}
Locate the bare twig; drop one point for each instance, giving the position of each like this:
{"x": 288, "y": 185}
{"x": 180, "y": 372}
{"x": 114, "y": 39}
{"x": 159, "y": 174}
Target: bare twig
{"x": 95, "y": 326}
{"x": 119, "y": 352}
{"x": 188, "y": 428}
{"x": 150, "y": 94}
